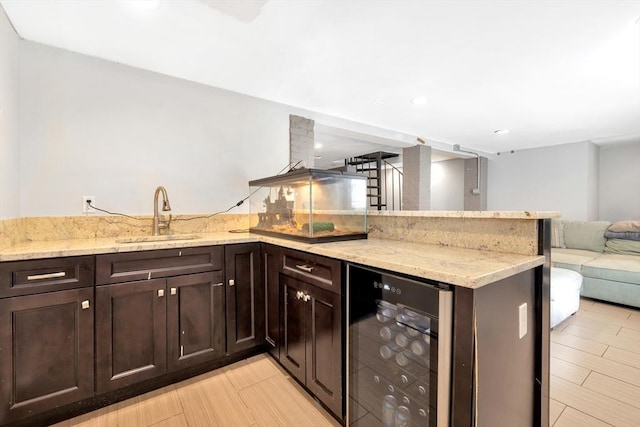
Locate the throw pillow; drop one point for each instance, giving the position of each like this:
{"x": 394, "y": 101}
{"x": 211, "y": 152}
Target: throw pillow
{"x": 626, "y": 235}
{"x": 621, "y": 246}
{"x": 557, "y": 234}
{"x": 587, "y": 235}
{"x": 622, "y": 226}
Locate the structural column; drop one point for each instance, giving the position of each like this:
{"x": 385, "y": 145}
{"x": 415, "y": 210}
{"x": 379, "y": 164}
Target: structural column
{"x": 416, "y": 179}
{"x": 301, "y": 141}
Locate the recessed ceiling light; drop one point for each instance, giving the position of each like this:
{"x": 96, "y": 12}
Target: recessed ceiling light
{"x": 419, "y": 100}
{"x": 317, "y": 145}
{"x": 501, "y": 131}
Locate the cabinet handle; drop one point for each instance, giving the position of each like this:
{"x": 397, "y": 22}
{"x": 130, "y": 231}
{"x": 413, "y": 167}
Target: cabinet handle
{"x": 85, "y": 304}
{"x": 160, "y": 292}
{"x": 306, "y": 297}
{"x": 46, "y": 276}
{"x": 299, "y": 295}
{"x": 232, "y": 282}
{"x": 174, "y": 291}
{"x": 304, "y": 267}
{"x": 218, "y": 284}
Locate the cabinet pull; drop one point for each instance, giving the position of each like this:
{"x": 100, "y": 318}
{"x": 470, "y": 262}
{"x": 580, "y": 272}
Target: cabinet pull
{"x": 46, "y": 276}
{"x": 174, "y": 291}
{"x": 218, "y": 284}
{"x": 304, "y": 267}
{"x": 299, "y": 295}
{"x": 85, "y": 304}
{"x": 232, "y": 282}
{"x": 160, "y": 292}
{"x": 306, "y": 297}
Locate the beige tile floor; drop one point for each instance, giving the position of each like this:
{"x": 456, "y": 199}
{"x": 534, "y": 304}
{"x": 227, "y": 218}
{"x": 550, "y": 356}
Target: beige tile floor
{"x": 595, "y": 367}
{"x": 254, "y": 392}
{"x": 595, "y": 381}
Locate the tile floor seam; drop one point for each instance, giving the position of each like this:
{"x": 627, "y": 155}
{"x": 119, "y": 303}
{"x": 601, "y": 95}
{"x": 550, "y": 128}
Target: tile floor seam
{"x": 600, "y": 394}
{"x": 590, "y": 354}
{"x": 611, "y": 397}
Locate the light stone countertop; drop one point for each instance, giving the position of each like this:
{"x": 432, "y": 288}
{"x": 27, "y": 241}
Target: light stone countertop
{"x": 470, "y": 214}
{"x": 463, "y": 267}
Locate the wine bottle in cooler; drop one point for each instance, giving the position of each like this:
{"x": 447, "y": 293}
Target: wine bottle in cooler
{"x": 389, "y": 405}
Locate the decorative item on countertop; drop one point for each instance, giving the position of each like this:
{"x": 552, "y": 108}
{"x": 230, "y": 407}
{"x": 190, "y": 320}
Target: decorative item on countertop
{"x": 310, "y": 205}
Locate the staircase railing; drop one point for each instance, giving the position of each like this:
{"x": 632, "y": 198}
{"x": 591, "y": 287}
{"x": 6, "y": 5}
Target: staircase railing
{"x": 380, "y": 194}
{"x": 395, "y": 203}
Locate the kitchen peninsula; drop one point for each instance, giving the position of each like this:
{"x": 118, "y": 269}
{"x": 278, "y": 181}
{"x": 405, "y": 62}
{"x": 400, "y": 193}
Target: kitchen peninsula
{"x": 496, "y": 262}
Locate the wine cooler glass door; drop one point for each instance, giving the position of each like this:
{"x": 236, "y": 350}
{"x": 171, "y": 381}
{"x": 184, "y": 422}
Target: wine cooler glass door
{"x": 399, "y": 350}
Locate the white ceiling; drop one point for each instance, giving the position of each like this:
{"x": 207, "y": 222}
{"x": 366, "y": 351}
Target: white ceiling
{"x": 552, "y": 72}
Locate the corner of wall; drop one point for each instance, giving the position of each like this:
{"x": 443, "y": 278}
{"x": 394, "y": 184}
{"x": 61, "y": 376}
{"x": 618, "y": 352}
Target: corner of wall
{"x": 9, "y": 119}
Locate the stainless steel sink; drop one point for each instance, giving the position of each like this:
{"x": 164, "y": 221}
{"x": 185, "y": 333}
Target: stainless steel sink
{"x": 168, "y": 237}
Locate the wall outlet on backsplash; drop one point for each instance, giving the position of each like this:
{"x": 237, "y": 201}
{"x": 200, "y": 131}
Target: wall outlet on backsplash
{"x": 87, "y": 201}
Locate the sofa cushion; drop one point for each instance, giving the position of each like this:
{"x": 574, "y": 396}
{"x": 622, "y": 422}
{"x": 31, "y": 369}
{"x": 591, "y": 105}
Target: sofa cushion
{"x": 588, "y": 235}
{"x": 622, "y": 246}
{"x": 622, "y": 226}
{"x": 618, "y": 268}
{"x": 557, "y": 234}
{"x": 565, "y": 258}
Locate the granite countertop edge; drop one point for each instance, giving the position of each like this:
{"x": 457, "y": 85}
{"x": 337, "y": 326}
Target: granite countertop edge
{"x": 467, "y": 268}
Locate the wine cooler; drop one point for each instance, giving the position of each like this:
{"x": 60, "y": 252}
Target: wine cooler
{"x": 399, "y": 350}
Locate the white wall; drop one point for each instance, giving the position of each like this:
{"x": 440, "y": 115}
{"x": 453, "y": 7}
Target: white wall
{"x": 620, "y": 182}
{"x": 94, "y": 127}
{"x": 447, "y": 185}
{"x": 593, "y": 177}
{"x": 9, "y": 123}
{"x": 557, "y": 178}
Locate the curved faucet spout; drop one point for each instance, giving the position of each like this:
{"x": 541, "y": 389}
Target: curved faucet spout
{"x": 166, "y": 207}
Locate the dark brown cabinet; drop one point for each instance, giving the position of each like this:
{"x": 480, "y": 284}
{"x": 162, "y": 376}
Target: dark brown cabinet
{"x": 195, "y": 319}
{"x": 46, "y": 339}
{"x": 244, "y": 297}
{"x": 270, "y": 274}
{"x": 146, "y": 328}
{"x": 311, "y": 327}
{"x": 131, "y": 333}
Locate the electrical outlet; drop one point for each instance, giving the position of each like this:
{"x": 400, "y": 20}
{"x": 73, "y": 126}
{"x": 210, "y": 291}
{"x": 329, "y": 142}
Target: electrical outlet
{"x": 522, "y": 320}
{"x": 85, "y": 204}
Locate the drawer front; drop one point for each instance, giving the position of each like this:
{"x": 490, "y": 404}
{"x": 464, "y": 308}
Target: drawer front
{"x": 318, "y": 270}
{"x": 45, "y": 275}
{"x": 125, "y": 267}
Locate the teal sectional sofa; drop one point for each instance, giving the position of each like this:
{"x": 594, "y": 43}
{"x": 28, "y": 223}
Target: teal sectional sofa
{"x": 607, "y": 255}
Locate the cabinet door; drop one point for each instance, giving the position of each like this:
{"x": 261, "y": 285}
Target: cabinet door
{"x": 244, "y": 297}
{"x": 271, "y": 268}
{"x": 324, "y": 347}
{"x": 46, "y": 352}
{"x": 131, "y": 333}
{"x": 195, "y": 319}
{"x": 293, "y": 344}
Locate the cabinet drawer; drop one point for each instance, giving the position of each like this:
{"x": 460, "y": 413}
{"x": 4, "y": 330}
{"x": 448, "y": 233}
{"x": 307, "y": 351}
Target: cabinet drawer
{"x": 318, "y": 270}
{"x": 45, "y": 275}
{"x": 125, "y": 267}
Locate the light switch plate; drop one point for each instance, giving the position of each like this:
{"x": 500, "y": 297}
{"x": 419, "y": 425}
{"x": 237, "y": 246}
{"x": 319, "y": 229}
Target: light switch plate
{"x": 522, "y": 320}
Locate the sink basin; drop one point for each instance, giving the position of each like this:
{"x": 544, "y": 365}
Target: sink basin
{"x": 169, "y": 237}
